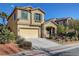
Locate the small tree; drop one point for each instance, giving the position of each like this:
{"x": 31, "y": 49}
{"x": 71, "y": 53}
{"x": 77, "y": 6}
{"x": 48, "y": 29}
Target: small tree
{"x": 6, "y": 36}
{"x": 61, "y": 29}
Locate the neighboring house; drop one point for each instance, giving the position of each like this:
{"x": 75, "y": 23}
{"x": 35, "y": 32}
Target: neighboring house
{"x": 27, "y": 22}
{"x": 66, "y": 21}
{"x": 62, "y": 21}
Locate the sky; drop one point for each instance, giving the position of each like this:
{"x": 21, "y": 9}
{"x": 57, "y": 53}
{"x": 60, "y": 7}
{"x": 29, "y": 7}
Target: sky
{"x": 52, "y": 10}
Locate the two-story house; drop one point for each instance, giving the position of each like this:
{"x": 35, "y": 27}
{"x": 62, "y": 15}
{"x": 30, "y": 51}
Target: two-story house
{"x": 27, "y": 22}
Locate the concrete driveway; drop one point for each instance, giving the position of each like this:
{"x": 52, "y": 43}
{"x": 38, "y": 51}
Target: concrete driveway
{"x": 42, "y": 43}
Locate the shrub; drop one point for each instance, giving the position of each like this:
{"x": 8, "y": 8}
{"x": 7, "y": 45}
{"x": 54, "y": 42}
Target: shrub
{"x": 50, "y": 37}
{"x": 22, "y": 43}
{"x": 6, "y": 36}
{"x": 61, "y": 29}
{"x": 71, "y": 34}
{"x": 78, "y": 36}
{"x": 25, "y": 45}
{"x": 19, "y": 40}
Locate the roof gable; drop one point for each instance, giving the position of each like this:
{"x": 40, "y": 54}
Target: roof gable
{"x": 40, "y": 10}
{"x": 49, "y": 23}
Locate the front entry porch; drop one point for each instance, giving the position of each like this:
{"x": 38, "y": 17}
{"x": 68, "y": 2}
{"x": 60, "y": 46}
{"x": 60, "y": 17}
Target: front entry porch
{"x": 51, "y": 31}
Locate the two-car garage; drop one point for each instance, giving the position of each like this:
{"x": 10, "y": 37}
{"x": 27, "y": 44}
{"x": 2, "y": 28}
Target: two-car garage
{"x": 29, "y": 32}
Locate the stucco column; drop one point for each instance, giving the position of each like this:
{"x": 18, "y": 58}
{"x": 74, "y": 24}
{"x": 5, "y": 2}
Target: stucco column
{"x": 51, "y": 30}
{"x": 55, "y": 31}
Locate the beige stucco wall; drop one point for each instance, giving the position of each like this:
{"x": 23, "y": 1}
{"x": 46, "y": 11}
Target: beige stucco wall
{"x": 12, "y": 24}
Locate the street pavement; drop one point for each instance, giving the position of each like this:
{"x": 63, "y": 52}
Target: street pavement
{"x": 72, "y": 52}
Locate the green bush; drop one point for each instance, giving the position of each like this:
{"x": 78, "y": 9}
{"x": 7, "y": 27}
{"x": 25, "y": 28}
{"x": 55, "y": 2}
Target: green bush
{"x": 6, "y": 36}
{"x": 19, "y": 40}
{"x": 78, "y": 36}
{"x": 50, "y": 37}
{"x": 61, "y": 29}
{"x": 25, "y": 45}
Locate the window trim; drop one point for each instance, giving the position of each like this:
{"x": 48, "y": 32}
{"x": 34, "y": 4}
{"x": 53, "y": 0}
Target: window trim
{"x": 26, "y": 12}
{"x": 40, "y": 17}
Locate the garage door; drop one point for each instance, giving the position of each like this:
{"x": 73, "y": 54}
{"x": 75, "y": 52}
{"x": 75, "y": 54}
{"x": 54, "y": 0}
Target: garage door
{"x": 29, "y": 33}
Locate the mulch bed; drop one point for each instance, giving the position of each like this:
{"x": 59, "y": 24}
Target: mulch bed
{"x": 8, "y": 49}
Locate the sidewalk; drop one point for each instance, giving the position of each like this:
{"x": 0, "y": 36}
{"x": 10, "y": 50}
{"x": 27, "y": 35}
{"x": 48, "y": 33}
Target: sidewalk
{"x": 63, "y": 48}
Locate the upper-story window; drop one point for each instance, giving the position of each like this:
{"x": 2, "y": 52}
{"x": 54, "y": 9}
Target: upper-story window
{"x": 24, "y": 15}
{"x": 37, "y": 17}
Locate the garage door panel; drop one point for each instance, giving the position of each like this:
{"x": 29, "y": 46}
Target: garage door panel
{"x": 29, "y": 33}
